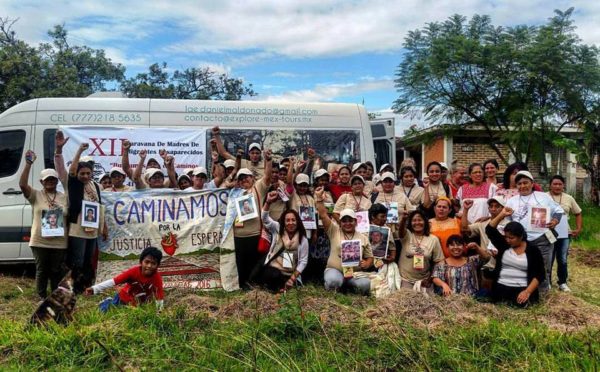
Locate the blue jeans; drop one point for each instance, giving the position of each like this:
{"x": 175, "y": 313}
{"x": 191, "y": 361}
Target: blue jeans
{"x": 560, "y": 253}
{"x": 334, "y": 280}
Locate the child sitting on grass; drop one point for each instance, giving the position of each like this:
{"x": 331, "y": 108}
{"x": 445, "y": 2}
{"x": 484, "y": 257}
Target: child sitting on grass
{"x": 142, "y": 283}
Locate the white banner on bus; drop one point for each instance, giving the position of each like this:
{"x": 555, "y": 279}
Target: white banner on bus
{"x": 188, "y": 146}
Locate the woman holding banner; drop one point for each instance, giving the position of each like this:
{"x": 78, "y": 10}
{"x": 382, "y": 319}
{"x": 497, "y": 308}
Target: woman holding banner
{"x": 247, "y": 227}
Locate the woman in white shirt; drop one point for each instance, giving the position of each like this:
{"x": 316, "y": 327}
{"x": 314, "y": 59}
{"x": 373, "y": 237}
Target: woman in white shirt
{"x": 539, "y": 215}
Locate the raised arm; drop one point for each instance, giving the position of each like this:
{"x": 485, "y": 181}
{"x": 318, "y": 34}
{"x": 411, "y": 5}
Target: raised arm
{"x": 308, "y": 168}
{"x": 266, "y": 179}
{"x": 319, "y": 194}
{"x": 137, "y": 173}
{"x": 426, "y": 197}
{"x": 290, "y": 172}
{"x": 492, "y": 232}
{"x": 75, "y": 163}
{"x": 170, "y": 165}
{"x": 483, "y": 253}
{"x": 402, "y": 224}
{"x": 464, "y": 219}
{"x": 24, "y": 179}
{"x": 59, "y": 162}
{"x": 268, "y": 222}
{"x": 216, "y": 132}
{"x": 126, "y": 145}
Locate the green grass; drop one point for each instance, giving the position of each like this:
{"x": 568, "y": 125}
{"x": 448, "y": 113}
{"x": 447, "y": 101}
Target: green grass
{"x": 590, "y": 236}
{"x": 314, "y": 330}
{"x": 293, "y": 337}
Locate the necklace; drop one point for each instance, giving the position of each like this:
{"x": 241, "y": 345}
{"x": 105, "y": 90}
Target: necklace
{"x": 409, "y": 190}
{"x": 357, "y": 206}
{"x": 559, "y": 200}
{"x": 348, "y": 236}
{"x": 51, "y": 202}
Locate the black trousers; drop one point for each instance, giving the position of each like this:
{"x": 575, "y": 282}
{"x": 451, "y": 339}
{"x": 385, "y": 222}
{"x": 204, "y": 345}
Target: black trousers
{"x": 246, "y": 257}
{"x": 272, "y": 279}
{"x": 502, "y": 293}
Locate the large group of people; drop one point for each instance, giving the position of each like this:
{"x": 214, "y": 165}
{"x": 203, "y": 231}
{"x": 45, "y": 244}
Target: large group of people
{"x": 458, "y": 230}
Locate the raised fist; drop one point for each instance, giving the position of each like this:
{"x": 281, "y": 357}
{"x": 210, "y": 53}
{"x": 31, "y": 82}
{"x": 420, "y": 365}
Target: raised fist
{"x": 30, "y": 156}
{"x": 468, "y": 203}
{"x": 143, "y": 154}
{"x": 126, "y": 144}
{"x": 162, "y": 153}
{"x": 272, "y": 196}
{"x": 84, "y": 146}
{"x": 59, "y": 139}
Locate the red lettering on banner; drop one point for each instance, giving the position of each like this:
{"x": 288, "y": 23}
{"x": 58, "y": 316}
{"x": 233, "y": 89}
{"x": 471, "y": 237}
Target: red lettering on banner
{"x": 97, "y": 146}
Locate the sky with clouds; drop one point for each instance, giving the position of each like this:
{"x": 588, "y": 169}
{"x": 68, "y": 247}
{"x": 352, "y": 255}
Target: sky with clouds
{"x": 308, "y": 50}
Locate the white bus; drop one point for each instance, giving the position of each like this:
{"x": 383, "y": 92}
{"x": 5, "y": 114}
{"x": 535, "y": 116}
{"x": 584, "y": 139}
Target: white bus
{"x": 340, "y": 133}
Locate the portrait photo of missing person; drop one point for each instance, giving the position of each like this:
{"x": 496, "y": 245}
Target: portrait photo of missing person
{"x": 52, "y": 223}
{"x": 246, "y": 208}
{"x": 90, "y": 214}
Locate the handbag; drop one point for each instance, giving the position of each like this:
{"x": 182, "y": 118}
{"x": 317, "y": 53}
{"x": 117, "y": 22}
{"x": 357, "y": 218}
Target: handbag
{"x": 265, "y": 239}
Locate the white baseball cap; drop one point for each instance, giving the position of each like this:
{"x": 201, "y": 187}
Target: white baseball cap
{"x": 444, "y": 165}
{"x": 229, "y": 163}
{"x": 151, "y": 172}
{"x": 523, "y": 173}
{"x": 47, "y": 173}
{"x": 182, "y": 177}
{"x": 118, "y": 170}
{"x": 188, "y": 171}
{"x": 376, "y": 179}
{"x": 101, "y": 177}
{"x": 347, "y": 213}
{"x": 86, "y": 159}
{"x": 254, "y": 145}
{"x": 388, "y": 175}
{"x": 320, "y": 173}
{"x": 386, "y": 165}
{"x": 356, "y": 176}
{"x": 499, "y": 199}
{"x": 357, "y": 165}
{"x": 302, "y": 178}
{"x": 199, "y": 170}
{"x": 244, "y": 172}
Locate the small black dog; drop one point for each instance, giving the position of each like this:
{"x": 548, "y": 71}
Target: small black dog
{"x": 60, "y": 305}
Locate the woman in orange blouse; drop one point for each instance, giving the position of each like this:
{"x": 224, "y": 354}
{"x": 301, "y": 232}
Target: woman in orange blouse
{"x": 443, "y": 226}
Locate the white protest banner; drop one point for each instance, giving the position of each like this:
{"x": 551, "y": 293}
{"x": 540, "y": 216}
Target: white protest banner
{"x": 186, "y": 226}
{"x": 188, "y": 146}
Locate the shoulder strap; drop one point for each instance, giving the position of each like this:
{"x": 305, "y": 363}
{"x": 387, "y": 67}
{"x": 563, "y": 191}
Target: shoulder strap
{"x": 374, "y": 196}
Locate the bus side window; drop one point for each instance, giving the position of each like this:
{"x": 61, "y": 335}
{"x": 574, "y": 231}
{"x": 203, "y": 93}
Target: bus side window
{"x": 12, "y": 143}
{"x": 49, "y": 148}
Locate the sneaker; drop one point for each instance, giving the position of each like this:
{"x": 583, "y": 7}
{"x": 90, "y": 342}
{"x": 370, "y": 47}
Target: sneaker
{"x": 564, "y": 287}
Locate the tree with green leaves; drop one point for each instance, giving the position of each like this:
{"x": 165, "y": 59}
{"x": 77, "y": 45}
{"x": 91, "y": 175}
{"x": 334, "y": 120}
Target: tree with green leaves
{"x": 54, "y": 69}
{"x": 521, "y": 84}
{"x": 191, "y": 83}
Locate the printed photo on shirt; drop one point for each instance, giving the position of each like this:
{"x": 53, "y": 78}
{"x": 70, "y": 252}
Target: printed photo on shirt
{"x": 378, "y": 237}
{"x": 350, "y": 253}
{"x": 392, "y": 214}
{"x": 246, "y": 207}
{"x": 307, "y": 215}
{"x": 52, "y": 223}
{"x": 539, "y": 217}
{"x": 362, "y": 221}
{"x": 90, "y": 216}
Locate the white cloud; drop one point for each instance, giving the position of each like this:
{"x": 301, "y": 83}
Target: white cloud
{"x": 329, "y": 92}
{"x": 300, "y": 28}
